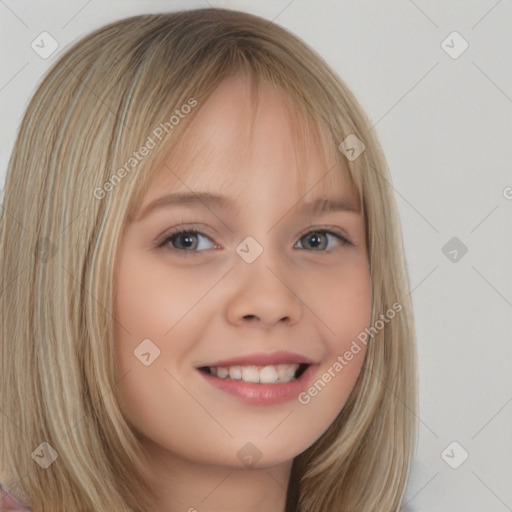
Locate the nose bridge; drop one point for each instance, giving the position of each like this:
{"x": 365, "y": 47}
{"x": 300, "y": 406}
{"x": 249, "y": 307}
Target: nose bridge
{"x": 262, "y": 259}
{"x": 263, "y": 287}
{"x": 256, "y": 259}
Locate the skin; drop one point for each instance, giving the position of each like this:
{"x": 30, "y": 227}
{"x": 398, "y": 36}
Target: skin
{"x": 211, "y": 304}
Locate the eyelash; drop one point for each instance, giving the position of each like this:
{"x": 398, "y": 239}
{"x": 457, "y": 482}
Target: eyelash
{"x": 192, "y": 231}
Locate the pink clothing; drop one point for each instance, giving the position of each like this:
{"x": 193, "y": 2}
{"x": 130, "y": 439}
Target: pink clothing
{"x": 9, "y": 503}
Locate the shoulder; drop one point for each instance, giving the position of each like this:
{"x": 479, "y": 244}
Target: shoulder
{"x": 10, "y": 503}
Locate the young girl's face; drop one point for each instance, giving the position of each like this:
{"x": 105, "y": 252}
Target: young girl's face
{"x": 266, "y": 283}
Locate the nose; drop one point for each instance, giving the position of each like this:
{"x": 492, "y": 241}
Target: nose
{"x": 263, "y": 296}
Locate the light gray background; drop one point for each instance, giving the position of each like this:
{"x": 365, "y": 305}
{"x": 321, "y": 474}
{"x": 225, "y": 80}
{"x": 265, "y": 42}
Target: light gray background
{"x": 445, "y": 125}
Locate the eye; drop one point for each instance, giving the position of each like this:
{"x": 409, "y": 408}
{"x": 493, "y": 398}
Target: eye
{"x": 312, "y": 237}
{"x": 183, "y": 241}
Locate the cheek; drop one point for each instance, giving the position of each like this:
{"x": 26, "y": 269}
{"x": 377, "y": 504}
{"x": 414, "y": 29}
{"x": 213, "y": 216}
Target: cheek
{"x": 345, "y": 308}
{"x": 148, "y": 304}
{"x": 150, "y": 299}
{"x": 342, "y": 302}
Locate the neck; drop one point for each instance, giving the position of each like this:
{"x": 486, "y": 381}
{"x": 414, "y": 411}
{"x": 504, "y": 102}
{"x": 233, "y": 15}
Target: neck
{"x": 188, "y": 486}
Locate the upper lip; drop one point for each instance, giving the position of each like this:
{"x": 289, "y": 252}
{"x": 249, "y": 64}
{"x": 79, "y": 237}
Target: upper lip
{"x": 262, "y": 359}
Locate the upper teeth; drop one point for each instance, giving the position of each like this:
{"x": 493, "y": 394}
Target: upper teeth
{"x": 270, "y": 374}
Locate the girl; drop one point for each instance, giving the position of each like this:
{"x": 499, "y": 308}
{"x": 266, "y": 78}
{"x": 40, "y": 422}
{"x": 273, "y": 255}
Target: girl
{"x": 204, "y": 296}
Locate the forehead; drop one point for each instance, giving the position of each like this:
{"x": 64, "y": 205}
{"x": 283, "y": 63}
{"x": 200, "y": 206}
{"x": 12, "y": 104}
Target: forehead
{"x": 248, "y": 138}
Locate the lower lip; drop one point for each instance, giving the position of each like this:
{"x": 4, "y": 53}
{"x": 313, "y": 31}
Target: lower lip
{"x": 262, "y": 394}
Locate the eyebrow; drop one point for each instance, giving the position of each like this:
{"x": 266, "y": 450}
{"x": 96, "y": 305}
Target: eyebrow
{"x": 317, "y": 206}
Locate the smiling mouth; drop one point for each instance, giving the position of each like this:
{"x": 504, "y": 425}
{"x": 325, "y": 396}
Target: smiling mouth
{"x": 269, "y": 374}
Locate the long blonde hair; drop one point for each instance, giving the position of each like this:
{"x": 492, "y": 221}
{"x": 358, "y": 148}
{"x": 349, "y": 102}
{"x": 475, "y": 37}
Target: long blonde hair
{"x": 66, "y": 203}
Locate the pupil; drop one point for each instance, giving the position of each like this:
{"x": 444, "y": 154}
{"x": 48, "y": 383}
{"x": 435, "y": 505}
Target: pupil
{"x": 189, "y": 239}
{"x": 316, "y": 238}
